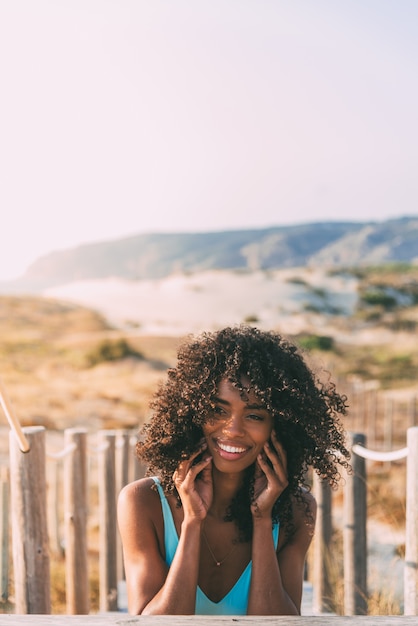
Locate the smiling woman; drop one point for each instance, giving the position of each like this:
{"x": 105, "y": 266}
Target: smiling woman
{"x": 239, "y": 428}
{"x": 223, "y": 521}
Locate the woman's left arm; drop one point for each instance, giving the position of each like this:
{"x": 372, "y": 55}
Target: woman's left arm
{"x": 277, "y": 578}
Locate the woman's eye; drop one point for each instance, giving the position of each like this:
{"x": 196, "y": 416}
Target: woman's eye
{"x": 218, "y": 410}
{"x": 254, "y": 416}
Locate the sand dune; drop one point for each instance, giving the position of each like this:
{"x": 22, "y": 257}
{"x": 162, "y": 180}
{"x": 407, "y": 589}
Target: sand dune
{"x": 189, "y": 303}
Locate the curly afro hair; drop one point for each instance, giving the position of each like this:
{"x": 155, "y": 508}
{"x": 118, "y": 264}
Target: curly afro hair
{"x": 305, "y": 412}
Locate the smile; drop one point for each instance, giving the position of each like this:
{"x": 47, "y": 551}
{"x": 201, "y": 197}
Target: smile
{"x": 232, "y": 449}
{"x": 229, "y": 451}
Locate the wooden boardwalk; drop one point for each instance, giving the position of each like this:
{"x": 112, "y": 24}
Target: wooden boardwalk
{"x": 308, "y": 618}
{"x": 305, "y": 610}
{"x": 202, "y": 620}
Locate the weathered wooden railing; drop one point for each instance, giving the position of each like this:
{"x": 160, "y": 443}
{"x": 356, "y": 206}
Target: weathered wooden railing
{"x": 203, "y": 620}
{"x": 355, "y": 529}
{"x": 112, "y": 451}
{"x": 29, "y": 517}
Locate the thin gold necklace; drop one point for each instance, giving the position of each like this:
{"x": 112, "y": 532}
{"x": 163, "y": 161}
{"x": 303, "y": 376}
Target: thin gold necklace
{"x": 217, "y": 562}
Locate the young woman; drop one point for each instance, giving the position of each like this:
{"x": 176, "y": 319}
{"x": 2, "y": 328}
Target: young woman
{"x": 223, "y": 522}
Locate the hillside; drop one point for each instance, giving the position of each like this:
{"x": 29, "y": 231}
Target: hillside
{"x": 64, "y": 364}
{"x": 155, "y": 256}
{"x": 183, "y": 303}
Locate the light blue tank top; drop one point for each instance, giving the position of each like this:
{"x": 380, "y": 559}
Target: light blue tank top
{"x": 236, "y": 600}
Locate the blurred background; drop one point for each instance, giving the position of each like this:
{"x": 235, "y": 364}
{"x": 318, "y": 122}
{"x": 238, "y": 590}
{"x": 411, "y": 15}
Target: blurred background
{"x": 168, "y": 167}
{"x": 125, "y": 117}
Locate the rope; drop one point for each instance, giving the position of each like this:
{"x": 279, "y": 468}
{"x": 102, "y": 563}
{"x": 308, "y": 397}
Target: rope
{"x": 374, "y": 455}
{"x": 62, "y": 453}
{"x": 93, "y": 450}
{"x": 98, "y": 449}
{"x": 12, "y": 419}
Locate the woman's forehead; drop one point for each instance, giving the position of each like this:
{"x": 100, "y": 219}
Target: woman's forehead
{"x": 244, "y": 387}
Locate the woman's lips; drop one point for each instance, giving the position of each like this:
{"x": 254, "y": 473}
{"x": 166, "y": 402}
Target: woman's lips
{"x": 230, "y": 451}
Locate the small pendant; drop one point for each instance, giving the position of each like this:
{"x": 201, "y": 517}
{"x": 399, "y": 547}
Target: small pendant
{"x": 217, "y": 563}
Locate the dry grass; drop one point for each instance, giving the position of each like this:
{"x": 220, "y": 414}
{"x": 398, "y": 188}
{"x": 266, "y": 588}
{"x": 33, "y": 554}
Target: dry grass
{"x": 44, "y": 364}
{"x": 45, "y": 358}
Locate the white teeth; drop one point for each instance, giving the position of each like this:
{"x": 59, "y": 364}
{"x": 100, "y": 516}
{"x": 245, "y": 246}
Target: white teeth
{"x": 233, "y": 449}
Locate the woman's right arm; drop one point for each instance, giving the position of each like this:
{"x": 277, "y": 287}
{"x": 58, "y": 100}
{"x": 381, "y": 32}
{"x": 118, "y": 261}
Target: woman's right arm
{"x": 152, "y": 587}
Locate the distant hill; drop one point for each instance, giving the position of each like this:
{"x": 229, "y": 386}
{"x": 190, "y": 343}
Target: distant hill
{"x": 152, "y": 256}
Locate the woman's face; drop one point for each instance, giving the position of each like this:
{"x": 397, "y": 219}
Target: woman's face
{"x": 238, "y": 429}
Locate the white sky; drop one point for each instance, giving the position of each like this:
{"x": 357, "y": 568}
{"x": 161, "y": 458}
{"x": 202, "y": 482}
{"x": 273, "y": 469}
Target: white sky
{"x": 125, "y": 116}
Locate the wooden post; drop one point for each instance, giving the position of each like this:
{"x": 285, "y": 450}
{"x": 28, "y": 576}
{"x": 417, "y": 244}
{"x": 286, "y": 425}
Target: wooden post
{"x": 321, "y": 547}
{"x": 139, "y": 469}
{"x": 107, "y": 508}
{"x": 411, "y": 539}
{"x": 388, "y": 424}
{"x": 355, "y": 535}
{"x": 412, "y": 411}
{"x": 53, "y": 505}
{"x": 4, "y": 533}
{"x": 123, "y": 451}
{"x": 122, "y": 454}
{"x": 29, "y": 523}
{"x": 75, "y": 521}
{"x": 372, "y": 421}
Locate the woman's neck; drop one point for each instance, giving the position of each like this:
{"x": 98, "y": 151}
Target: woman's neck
{"x": 225, "y": 488}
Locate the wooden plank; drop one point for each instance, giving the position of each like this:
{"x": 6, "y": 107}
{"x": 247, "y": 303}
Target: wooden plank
{"x": 75, "y": 516}
{"x": 4, "y": 533}
{"x": 107, "y": 535}
{"x": 411, "y": 544}
{"x": 320, "y": 620}
{"x": 29, "y": 523}
{"x": 204, "y": 620}
{"x": 322, "y": 594}
{"x": 355, "y": 533}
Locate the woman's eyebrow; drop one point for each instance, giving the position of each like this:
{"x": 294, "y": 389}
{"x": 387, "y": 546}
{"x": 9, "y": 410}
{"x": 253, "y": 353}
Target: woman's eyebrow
{"x": 262, "y": 407}
{"x": 220, "y": 400}
{"x": 254, "y": 406}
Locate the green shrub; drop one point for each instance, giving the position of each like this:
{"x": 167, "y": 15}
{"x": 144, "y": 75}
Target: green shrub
{"x": 378, "y": 298}
{"x": 108, "y": 350}
{"x": 251, "y": 319}
{"x": 316, "y": 342}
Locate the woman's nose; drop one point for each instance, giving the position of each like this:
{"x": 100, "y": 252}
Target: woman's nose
{"x": 234, "y": 426}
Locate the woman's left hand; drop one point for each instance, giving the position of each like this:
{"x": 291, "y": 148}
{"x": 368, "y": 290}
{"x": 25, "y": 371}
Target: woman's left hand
{"x": 270, "y": 478}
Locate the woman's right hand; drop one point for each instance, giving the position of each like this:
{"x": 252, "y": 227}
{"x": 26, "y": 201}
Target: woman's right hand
{"x": 194, "y": 484}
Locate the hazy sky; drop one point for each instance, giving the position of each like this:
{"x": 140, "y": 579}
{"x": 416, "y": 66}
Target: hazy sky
{"x": 125, "y": 116}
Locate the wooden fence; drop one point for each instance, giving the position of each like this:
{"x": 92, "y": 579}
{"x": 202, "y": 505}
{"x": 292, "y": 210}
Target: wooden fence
{"x": 202, "y": 620}
{"x": 36, "y": 510}
{"x": 112, "y": 451}
{"x": 355, "y": 529}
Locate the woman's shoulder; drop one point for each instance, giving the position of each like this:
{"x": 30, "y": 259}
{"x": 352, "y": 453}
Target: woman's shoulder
{"x": 304, "y": 507}
{"x": 307, "y": 501}
{"x": 301, "y": 527}
{"x": 304, "y": 514}
{"x": 140, "y": 494}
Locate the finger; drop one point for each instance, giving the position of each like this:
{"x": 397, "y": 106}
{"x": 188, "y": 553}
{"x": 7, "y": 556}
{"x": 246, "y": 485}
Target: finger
{"x": 180, "y": 473}
{"x": 186, "y": 473}
{"x": 188, "y": 460}
{"x": 258, "y": 470}
{"x": 279, "y": 450}
{"x": 278, "y": 446}
{"x": 198, "y": 467}
{"x": 205, "y": 473}
{"x": 276, "y": 482}
{"x": 202, "y": 445}
{"x": 275, "y": 455}
{"x": 276, "y": 467}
